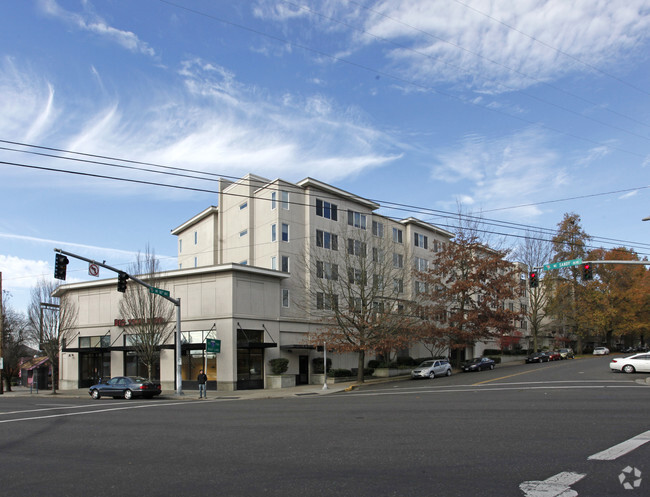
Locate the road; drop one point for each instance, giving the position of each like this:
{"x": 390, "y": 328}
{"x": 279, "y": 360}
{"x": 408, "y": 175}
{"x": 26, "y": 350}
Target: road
{"x": 525, "y": 430}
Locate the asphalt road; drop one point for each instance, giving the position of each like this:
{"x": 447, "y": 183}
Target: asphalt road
{"x": 515, "y": 431}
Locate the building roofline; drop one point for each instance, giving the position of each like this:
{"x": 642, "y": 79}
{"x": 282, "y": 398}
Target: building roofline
{"x": 177, "y": 273}
{"x": 429, "y": 226}
{"x": 314, "y": 183}
{"x": 199, "y": 217}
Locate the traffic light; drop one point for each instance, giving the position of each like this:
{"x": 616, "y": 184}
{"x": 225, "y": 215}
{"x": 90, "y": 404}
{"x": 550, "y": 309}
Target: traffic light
{"x": 533, "y": 279}
{"x": 587, "y": 272}
{"x": 121, "y": 282}
{"x": 60, "y": 266}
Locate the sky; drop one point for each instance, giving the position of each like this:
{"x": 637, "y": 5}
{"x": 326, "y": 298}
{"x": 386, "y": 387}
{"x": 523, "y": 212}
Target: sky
{"x": 117, "y": 117}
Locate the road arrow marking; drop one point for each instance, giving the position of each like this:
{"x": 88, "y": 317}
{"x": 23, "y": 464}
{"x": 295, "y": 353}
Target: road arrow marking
{"x": 555, "y": 486}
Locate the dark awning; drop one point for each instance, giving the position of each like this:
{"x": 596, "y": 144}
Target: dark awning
{"x": 256, "y": 345}
{"x": 301, "y": 346}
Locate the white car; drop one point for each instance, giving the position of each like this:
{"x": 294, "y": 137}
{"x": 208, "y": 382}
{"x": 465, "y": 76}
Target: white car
{"x": 601, "y": 351}
{"x": 431, "y": 369}
{"x": 632, "y": 364}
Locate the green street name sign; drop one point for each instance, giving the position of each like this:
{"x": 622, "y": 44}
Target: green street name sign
{"x": 159, "y": 291}
{"x": 559, "y": 265}
{"x": 213, "y": 346}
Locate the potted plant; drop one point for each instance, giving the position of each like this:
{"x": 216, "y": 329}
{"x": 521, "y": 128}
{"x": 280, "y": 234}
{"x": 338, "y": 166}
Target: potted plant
{"x": 279, "y": 378}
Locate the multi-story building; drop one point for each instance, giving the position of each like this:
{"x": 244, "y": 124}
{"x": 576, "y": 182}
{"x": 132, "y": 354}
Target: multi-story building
{"x": 247, "y": 270}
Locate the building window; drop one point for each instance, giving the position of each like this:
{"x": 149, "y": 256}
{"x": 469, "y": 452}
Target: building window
{"x": 357, "y": 220}
{"x": 180, "y": 245}
{"x": 325, "y": 239}
{"x": 326, "y": 210}
{"x": 196, "y": 237}
{"x": 377, "y": 255}
{"x": 327, "y": 270}
{"x": 356, "y": 276}
{"x": 243, "y": 233}
{"x": 326, "y": 301}
{"x": 285, "y": 264}
{"x": 285, "y": 199}
{"x": 273, "y": 199}
{"x": 397, "y": 235}
{"x": 378, "y": 229}
{"x": 274, "y": 235}
{"x": 421, "y": 264}
{"x": 285, "y": 232}
{"x": 398, "y": 285}
{"x": 196, "y": 262}
{"x": 285, "y": 297}
{"x": 274, "y": 263}
{"x": 421, "y": 241}
{"x": 420, "y": 287}
{"x": 243, "y": 206}
{"x": 398, "y": 261}
{"x": 356, "y": 247}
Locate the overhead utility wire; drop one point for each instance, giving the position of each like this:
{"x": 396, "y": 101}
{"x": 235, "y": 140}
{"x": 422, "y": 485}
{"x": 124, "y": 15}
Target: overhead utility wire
{"x": 398, "y": 78}
{"x": 510, "y": 88}
{"x": 566, "y": 54}
{"x": 385, "y": 204}
{"x": 150, "y": 183}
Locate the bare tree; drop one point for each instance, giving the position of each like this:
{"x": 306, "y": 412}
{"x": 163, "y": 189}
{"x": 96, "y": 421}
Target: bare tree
{"x": 13, "y": 328}
{"x": 355, "y": 288}
{"x": 534, "y": 252}
{"x": 51, "y": 322}
{"x": 148, "y": 315}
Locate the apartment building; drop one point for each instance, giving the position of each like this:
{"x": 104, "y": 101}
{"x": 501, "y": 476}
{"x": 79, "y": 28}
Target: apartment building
{"x": 248, "y": 273}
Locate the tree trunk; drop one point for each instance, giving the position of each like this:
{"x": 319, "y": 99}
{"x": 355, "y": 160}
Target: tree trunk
{"x": 360, "y": 364}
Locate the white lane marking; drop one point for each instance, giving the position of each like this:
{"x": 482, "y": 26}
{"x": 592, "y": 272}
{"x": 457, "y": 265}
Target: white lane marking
{"x": 97, "y": 411}
{"x": 621, "y": 449}
{"x": 556, "y": 486}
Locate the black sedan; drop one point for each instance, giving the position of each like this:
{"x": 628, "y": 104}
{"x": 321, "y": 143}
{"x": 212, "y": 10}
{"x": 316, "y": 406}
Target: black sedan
{"x": 538, "y": 357}
{"x": 125, "y": 386}
{"x": 479, "y": 364}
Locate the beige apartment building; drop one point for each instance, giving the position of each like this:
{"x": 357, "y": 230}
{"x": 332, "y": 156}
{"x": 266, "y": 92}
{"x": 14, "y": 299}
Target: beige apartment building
{"x": 246, "y": 276}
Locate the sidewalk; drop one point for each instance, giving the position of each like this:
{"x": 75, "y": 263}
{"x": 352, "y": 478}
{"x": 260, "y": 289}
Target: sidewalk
{"x": 298, "y": 391}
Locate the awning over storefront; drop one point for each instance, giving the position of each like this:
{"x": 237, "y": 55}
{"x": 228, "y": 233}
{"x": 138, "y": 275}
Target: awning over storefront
{"x": 298, "y": 346}
{"x": 33, "y": 363}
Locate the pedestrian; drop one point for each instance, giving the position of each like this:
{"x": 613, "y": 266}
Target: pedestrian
{"x": 202, "y": 379}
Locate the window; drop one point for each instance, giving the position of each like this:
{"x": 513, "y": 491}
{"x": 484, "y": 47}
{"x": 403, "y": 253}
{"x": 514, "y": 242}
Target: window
{"x": 285, "y": 199}
{"x": 285, "y": 232}
{"x": 398, "y": 285}
{"x": 196, "y": 262}
{"x": 357, "y": 220}
{"x": 356, "y": 247}
{"x": 421, "y": 241}
{"x": 327, "y": 301}
{"x": 356, "y": 276}
{"x": 397, "y": 235}
{"x": 274, "y": 263}
{"x": 196, "y": 237}
{"x": 274, "y": 234}
{"x": 273, "y": 199}
{"x": 377, "y": 255}
{"x": 327, "y": 270}
{"x": 285, "y": 297}
{"x": 326, "y": 210}
{"x": 398, "y": 261}
{"x": 378, "y": 282}
{"x": 285, "y": 264}
{"x": 378, "y": 229}
{"x": 421, "y": 264}
{"x": 420, "y": 287}
{"x": 325, "y": 239}
{"x": 180, "y": 245}
{"x": 243, "y": 206}
{"x": 243, "y": 233}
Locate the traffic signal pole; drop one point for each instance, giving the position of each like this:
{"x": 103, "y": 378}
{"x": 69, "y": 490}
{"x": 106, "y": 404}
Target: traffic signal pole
{"x": 176, "y": 302}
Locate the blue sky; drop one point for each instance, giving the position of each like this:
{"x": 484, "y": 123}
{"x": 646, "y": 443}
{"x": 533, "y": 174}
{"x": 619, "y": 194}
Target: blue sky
{"x": 520, "y": 110}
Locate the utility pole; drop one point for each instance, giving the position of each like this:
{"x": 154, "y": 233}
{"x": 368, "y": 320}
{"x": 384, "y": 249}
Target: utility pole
{"x": 2, "y": 323}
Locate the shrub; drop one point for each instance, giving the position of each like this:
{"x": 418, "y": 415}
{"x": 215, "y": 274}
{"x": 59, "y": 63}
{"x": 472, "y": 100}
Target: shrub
{"x": 279, "y": 365}
{"x": 374, "y": 363}
{"x": 317, "y": 365}
{"x": 405, "y": 361}
{"x": 339, "y": 373}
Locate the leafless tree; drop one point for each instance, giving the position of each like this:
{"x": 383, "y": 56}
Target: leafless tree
{"x": 51, "y": 322}
{"x": 149, "y": 316}
{"x": 14, "y": 326}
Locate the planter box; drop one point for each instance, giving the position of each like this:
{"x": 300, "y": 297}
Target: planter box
{"x": 387, "y": 372}
{"x": 318, "y": 379}
{"x": 280, "y": 381}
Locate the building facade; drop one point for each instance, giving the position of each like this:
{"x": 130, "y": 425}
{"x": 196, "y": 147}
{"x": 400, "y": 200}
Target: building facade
{"x": 248, "y": 274}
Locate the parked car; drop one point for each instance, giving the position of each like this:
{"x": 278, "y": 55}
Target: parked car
{"x": 601, "y": 351}
{"x": 127, "y": 387}
{"x": 479, "y": 364}
{"x": 632, "y": 364}
{"x": 554, "y": 355}
{"x": 431, "y": 369}
{"x": 566, "y": 354}
{"x": 537, "y": 357}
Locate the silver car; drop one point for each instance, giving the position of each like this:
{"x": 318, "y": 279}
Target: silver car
{"x": 432, "y": 368}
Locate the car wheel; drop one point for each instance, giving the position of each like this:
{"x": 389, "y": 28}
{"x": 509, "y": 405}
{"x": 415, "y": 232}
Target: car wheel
{"x": 128, "y": 394}
{"x": 432, "y": 375}
{"x": 491, "y": 366}
{"x": 628, "y": 368}
{"x": 448, "y": 372}
{"x": 95, "y": 394}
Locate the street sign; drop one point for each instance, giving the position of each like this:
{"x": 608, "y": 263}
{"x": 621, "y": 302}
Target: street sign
{"x": 213, "y": 346}
{"x": 93, "y": 270}
{"x": 559, "y": 265}
{"x": 159, "y": 291}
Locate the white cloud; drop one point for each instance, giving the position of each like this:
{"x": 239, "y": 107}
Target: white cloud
{"x": 22, "y": 273}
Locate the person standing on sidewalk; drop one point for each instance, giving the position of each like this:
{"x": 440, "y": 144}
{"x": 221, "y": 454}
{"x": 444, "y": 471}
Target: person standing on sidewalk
{"x": 202, "y": 380}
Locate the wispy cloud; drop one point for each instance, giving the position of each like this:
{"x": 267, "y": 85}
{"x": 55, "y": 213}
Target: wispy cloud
{"x": 96, "y": 25}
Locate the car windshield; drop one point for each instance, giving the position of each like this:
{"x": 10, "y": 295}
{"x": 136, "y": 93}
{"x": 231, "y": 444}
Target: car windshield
{"x": 426, "y": 364}
{"x": 474, "y": 361}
